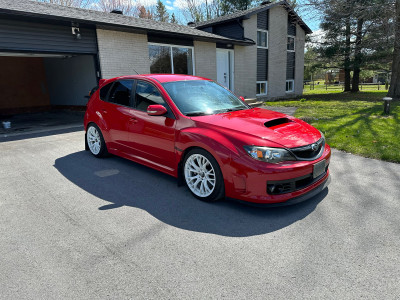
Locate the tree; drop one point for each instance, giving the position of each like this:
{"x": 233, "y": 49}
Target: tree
{"x": 357, "y": 35}
{"x": 161, "y": 12}
{"x": 229, "y": 6}
{"x": 312, "y": 66}
{"x": 144, "y": 13}
{"x": 173, "y": 19}
{"x": 199, "y": 10}
{"x": 394, "y": 90}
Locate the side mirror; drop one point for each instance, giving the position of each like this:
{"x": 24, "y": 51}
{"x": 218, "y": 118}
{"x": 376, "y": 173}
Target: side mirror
{"x": 156, "y": 110}
{"x": 242, "y": 98}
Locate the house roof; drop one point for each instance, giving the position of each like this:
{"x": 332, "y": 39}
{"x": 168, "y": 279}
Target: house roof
{"x": 86, "y": 16}
{"x": 244, "y": 14}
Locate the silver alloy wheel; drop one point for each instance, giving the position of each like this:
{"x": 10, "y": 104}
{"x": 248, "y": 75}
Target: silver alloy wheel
{"x": 93, "y": 140}
{"x": 200, "y": 175}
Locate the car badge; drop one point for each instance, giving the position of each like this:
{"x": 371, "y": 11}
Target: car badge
{"x": 314, "y": 147}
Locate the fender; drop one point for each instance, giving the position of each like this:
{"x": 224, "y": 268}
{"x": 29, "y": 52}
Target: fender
{"x": 221, "y": 148}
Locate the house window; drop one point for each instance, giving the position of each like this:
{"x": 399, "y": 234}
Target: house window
{"x": 262, "y": 39}
{"x": 171, "y": 59}
{"x": 261, "y": 88}
{"x": 289, "y": 86}
{"x": 291, "y": 43}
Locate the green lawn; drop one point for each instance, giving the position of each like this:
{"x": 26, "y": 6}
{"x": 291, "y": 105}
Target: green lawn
{"x": 331, "y": 89}
{"x": 353, "y": 123}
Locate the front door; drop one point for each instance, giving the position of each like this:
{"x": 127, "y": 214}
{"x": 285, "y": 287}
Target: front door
{"x": 153, "y": 136}
{"x": 225, "y": 68}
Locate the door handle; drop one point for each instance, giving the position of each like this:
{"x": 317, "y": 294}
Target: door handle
{"x": 104, "y": 111}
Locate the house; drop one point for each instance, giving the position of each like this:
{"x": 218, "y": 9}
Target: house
{"x": 51, "y": 55}
{"x": 274, "y": 66}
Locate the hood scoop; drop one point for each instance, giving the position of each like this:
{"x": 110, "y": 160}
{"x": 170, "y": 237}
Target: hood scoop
{"x": 276, "y": 122}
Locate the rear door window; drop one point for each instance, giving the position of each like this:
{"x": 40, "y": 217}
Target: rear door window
{"x": 120, "y": 92}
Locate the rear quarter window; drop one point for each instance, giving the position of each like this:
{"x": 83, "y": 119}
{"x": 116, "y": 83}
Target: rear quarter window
{"x": 104, "y": 91}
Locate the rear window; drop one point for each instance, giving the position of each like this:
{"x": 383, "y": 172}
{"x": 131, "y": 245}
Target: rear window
{"x": 104, "y": 91}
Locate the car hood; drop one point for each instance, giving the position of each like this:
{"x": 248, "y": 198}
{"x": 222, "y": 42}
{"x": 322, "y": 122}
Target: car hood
{"x": 262, "y": 125}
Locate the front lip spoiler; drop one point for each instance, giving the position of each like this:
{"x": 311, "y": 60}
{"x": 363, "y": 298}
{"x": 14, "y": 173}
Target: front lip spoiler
{"x": 292, "y": 201}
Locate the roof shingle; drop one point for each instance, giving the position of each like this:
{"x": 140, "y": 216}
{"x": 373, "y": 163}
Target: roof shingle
{"x": 240, "y": 14}
{"x": 47, "y": 10}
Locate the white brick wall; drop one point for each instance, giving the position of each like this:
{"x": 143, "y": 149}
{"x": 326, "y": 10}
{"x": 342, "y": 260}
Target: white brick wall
{"x": 122, "y": 52}
{"x": 205, "y": 59}
{"x": 277, "y": 56}
{"x": 246, "y": 62}
{"x": 299, "y": 75}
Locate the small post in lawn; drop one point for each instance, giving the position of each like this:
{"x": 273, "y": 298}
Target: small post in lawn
{"x": 386, "y": 104}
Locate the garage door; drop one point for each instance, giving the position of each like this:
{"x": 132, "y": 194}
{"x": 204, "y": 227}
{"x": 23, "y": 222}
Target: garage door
{"x": 38, "y": 37}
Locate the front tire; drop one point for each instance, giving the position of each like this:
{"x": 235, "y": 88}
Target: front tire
{"x": 95, "y": 141}
{"x": 203, "y": 176}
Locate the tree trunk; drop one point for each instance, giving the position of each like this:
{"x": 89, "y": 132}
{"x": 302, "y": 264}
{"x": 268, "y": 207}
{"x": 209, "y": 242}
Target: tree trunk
{"x": 394, "y": 90}
{"x": 357, "y": 57}
{"x": 347, "y": 77}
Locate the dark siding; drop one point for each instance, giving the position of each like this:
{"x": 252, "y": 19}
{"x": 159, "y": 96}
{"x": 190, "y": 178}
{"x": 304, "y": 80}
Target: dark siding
{"x": 290, "y": 66}
{"x": 262, "y": 64}
{"x": 232, "y": 30}
{"x": 262, "y": 20}
{"x": 225, "y": 46}
{"x": 291, "y": 26}
{"x": 207, "y": 29}
{"x": 169, "y": 40}
{"x": 37, "y": 37}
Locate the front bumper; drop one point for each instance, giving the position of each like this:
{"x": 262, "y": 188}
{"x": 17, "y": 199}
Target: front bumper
{"x": 291, "y": 201}
{"x": 250, "y": 181}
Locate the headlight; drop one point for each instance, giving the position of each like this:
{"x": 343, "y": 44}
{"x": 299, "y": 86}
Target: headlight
{"x": 271, "y": 155}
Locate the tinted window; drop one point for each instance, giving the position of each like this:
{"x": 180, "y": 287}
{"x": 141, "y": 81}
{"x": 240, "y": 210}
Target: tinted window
{"x": 147, "y": 94}
{"x": 104, "y": 91}
{"x": 121, "y": 92}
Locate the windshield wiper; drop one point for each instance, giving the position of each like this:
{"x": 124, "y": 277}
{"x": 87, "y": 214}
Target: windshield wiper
{"x": 196, "y": 113}
{"x": 231, "y": 109}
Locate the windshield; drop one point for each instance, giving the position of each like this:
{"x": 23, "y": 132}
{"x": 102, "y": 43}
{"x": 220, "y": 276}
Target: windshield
{"x": 202, "y": 97}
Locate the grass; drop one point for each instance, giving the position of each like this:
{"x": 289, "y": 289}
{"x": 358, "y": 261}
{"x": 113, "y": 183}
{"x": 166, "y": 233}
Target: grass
{"x": 331, "y": 89}
{"x": 354, "y": 123}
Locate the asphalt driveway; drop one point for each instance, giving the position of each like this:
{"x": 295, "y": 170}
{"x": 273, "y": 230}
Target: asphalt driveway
{"x": 76, "y": 227}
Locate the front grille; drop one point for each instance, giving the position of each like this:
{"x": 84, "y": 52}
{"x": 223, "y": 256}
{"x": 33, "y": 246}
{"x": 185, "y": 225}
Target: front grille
{"x": 307, "y": 152}
{"x": 292, "y": 185}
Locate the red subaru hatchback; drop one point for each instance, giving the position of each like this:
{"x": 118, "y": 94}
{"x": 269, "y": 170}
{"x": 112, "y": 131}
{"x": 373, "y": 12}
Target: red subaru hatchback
{"x": 201, "y": 133}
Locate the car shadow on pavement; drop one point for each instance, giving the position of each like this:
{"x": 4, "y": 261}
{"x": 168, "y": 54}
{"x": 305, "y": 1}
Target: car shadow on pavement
{"x": 121, "y": 182}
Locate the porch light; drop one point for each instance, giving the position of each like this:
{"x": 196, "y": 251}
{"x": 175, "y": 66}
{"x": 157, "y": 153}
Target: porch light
{"x": 76, "y": 32}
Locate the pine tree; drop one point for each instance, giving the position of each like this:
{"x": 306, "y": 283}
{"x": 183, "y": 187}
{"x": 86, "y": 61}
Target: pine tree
{"x": 173, "y": 19}
{"x": 161, "y": 12}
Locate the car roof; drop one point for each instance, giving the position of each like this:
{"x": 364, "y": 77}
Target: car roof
{"x": 162, "y": 78}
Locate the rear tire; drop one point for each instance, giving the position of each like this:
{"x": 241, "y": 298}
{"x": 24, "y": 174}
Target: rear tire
{"x": 95, "y": 141}
{"x": 203, "y": 175}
